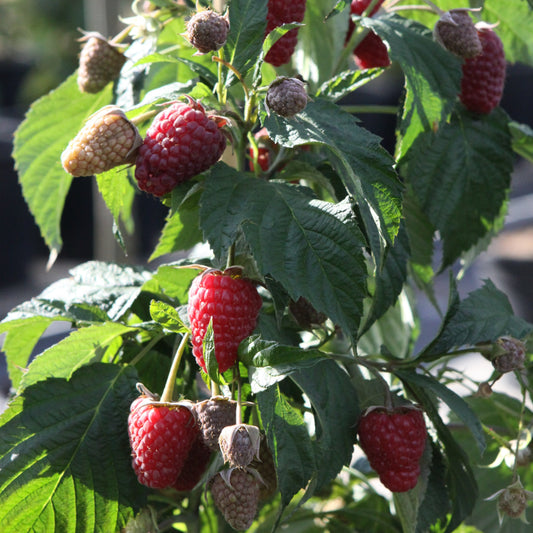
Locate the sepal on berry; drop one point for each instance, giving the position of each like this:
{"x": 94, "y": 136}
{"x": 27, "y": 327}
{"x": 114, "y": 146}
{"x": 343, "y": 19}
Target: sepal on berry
{"x": 240, "y": 444}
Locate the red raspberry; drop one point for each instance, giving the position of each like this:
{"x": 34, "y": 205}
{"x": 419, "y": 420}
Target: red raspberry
{"x": 282, "y": 12}
{"x": 371, "y": 52}
{"x": 181, "y": 142}
{"x": 237, "y": 497}
{"x": 232, "y": 302}
{"x": 194, "y": 467}
{"x": 265, "y": 146}
{"x": 484, "y": 75}
{"x": 393, "y": 441}
{"x": 161, "y": 437}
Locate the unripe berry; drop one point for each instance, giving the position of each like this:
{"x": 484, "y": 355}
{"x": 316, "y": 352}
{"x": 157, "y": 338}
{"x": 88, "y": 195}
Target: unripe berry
{"x": 286, "y": 96}
{"x": 456, "y": 32}
{"x": 207, "y": 31}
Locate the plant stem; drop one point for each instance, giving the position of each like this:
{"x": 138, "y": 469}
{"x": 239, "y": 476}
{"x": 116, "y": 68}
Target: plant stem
{"x": 385, "y": 109}
{"x": 520, "y": 426}
{"x": 168, "y": 391}
{"x": 215, "y": 388}
{"x": 146, "y": 349}
{"x": 238, "y": 418}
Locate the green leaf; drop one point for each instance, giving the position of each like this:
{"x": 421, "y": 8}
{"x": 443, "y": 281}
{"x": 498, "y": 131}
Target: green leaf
{"x": 522, "y": 139}
{"x": 460, "y": 175}
{"x": 313, "y": 248}
{"x": 65, "y": 462}
{"x": 289, "y": 442}
{"x": 48, "y": 127}
{"x": 167, "y": 316}
{"x": 269, "y": 362}
{"x": 118, "y": 193}
{"x": 483, "y": 316}
{"x": 172, "y": 282}
{"x": 328, "y": 387}
{"x": 209, "y": 353}
{"x": 81, "y": 347}
{"x": 320, "y": 43}
{"x": 181, "y": 230}
{"x": 460, "y": 480}
{"x": 432, "y": 74}
{"x": 22, "y": 336}
{"x": 515, "y": 19}
{"x": 456, "y": 404}
{"x": 110, "y": 286}
{"x": 346, "y": 83}
{"x": 247, "y": 25}
{"x": 362, "y": 163}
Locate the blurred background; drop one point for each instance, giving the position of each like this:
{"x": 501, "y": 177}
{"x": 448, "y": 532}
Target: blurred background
{"x": 39, "y": 49}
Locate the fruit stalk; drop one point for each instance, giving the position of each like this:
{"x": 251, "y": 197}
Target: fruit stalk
{"x": 168, "y": 391}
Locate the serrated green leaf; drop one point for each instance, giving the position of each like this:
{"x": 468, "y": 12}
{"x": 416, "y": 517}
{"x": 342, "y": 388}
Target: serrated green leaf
{"x": 50, "y": 124}
{"x": 364, "y": 166}
{"x": 21, "y": 337}
{"x": 313, "y": 248}
{"x": 65, "y": 462}
{"x": 170, "y": 92}
{"x": 432, "y": 74}
{"x": 81, "y": 347}
{"x": 172, "y": 282}
{"x": 483, "y": 316}
{"x": 461, "y": 175}
{"x": 460, "y": 480}
{"x": 456, "y": 404}
{"x": 167, "y": 316}
{"x": 514, "y": 18}
{"x": 320, "y": 43}
{"x": 328, "y": 387}
{"x": 346, "y": 83}
{"x": 247, "y": 24}
{"x": 209, "y": 353}
{"x": 522, "y": 139}
{"x": 269, "y": 362}
{"x": 181, "y": 230}
{"x": 109, "y": 286}
{"x": 289, "y": 442}
{"x": 118, "y": 193}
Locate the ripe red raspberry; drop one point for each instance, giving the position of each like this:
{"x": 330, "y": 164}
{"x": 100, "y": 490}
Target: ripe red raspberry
{"x": 232, "y": 302}
{"x": 484, "y": 75}
{"x": 207, "y": 31}
{"x": 181, "y": 142}
{"x": 194, "y": 467}
{"x": 161, "y": 437}
{"x": 108, "y": 139}
{"x": 286, "y": 96}
{"x": 100, "y": 62}
{"x": 237, "y": 497}
{"x": 213, "y": 415}
{"x": 239, "y": 444}
{"x": 371, "y": 52}
{"x": 393, "y": 441}
{"x": 282, "y": 12}
{"x": 456, "y": 32}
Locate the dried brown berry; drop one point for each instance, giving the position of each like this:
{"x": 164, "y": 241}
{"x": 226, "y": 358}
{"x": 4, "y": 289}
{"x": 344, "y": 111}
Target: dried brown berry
{"x": 213, "y": 416}
{"x": 207, "y": 31}
{"x": 510, "y": 354}
{"x": 236, "y": 495}
{"x": 456, "y": 32}
{"x": 108, "y": 139}
{"x": 266, "y": 469}
{"x": 100, "y": 62}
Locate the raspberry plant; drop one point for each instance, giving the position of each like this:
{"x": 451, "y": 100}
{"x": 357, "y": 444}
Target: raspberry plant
{"x": 340, "y": 239}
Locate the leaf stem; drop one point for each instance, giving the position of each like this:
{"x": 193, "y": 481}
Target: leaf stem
{"x": 168, "y": 391}
{"x": 520, "y": 424}
{"x": 385, "y": 109}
